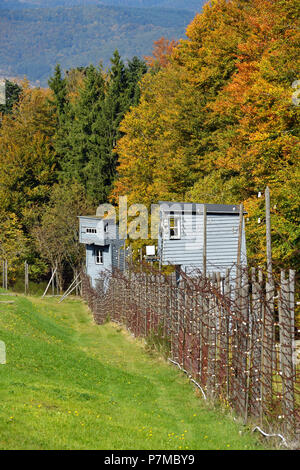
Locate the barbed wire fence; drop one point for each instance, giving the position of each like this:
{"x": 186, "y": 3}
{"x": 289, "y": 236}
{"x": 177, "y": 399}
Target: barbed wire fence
{"x": 233, "y": 334}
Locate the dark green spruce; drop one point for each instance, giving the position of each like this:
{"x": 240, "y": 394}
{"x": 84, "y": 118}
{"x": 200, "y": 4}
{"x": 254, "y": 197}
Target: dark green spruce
{"x": 89, "y": 126}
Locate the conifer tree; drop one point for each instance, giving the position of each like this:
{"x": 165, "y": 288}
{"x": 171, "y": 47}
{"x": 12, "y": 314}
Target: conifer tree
{"x": 78, "y": 145}
{"x": 58, "y": 85}
{"x": 88, "y": 121}
{"x": 136, "y": 68}
{"x": 122, "y": 91}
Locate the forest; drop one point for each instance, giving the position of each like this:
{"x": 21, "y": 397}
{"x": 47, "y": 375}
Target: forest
{"x": 211, "y": 118}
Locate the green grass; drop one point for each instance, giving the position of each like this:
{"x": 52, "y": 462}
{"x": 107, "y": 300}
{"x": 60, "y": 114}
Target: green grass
{"x": 69, "y": 384}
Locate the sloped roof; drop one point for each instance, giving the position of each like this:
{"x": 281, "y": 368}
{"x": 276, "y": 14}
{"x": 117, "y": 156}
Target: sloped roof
{"x": 198, "y": 208}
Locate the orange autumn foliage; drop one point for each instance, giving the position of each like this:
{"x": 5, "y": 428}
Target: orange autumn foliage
{"x": 217, "y": 123}
{"x": 162, "y": 52}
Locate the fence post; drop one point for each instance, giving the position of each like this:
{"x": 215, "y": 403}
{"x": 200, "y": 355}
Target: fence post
{"x": 268, "y": 234}
{"x": 268, "y": 345}
{"x": 245, "y": 372}
{"x": 173, "y": 316}
{"x": 219, "y": 340}
{"x": 211, "y": 356}
{"x": 256, "y": 346}
{"x": 6, "y": 274}
{"x": 286, "y": 357}
{"x": 227, "y": 294}
{"x": 146, "y": 304}
{"x": 292, "y": 275}
{"x": 204, "y": 240}
{"x": 26, "y": 278}
{"x": 240, "y": 236}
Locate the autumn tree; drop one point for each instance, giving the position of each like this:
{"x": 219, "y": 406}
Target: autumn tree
{"x": 258, "y": 146}
{"x": 13, "y": 244}
{"x": 56, "y": 235}
{"x": 161, "y": 54}
{"x": 27, "y": 160}
{"x": 217, "y": 123}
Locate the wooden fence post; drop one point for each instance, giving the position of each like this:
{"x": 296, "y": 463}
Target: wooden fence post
{"x": 227, "y": 309}
{"x": 244, "y": 331}
{"x": 256, "y": 346}
{"x": 26, "y": 278}
{"x": 286, "y": 357}
{"x": 268, "y": 234}
{"x": 6, "y": 274}
{"x": 292, "y": 275}
{"x": 204, "y": 240}
{"x": 211, "y": 356}
{"x": 268, "y": 344}
{"x": 3, "y": 273}
{"x": 240, "y": 235}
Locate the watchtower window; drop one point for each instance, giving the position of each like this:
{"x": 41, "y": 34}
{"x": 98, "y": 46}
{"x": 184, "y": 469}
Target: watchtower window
{"x": 174, "y": 227}
{"x": 99, "y": 256}
{"x": 91, "y": 230}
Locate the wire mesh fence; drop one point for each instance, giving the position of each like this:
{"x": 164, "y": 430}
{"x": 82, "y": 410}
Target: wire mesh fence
{"x": 233, "y": 336}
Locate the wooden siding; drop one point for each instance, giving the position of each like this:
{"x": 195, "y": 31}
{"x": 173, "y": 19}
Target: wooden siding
{"x": 92, "y": 268}
{"x": 222, "y": 242}
{"x": 100, "y": 238}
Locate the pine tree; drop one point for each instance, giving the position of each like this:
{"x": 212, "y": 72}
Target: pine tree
{"x": 78, "y": 144}
{"x": 122, "y": 91}
{"x": 89, "y": 117}
{"x": 135, "y": 70}
{"x": 58, "y": 85}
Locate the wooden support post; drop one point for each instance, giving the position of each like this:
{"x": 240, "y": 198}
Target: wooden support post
{"x": 204, "y": 262}
{"x": 268, "y": 234}
{"x": 70, "y": 288}
{"x": 6, "y": 274}
{"x": 58, "y": 290}
{"x": 51, "y": 280}
{"x": 241, "y": 220}
{"x": 26, "y": 278}
{"x": 69, "y": 292}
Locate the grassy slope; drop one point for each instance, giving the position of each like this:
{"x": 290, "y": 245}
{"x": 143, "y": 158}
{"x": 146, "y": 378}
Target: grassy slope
{"x": 69, "y": 384}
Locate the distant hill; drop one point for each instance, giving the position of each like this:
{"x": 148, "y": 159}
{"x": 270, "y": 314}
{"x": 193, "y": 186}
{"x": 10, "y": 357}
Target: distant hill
{"x": 191, "y": 5}
{"x": 79, "y": 32}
